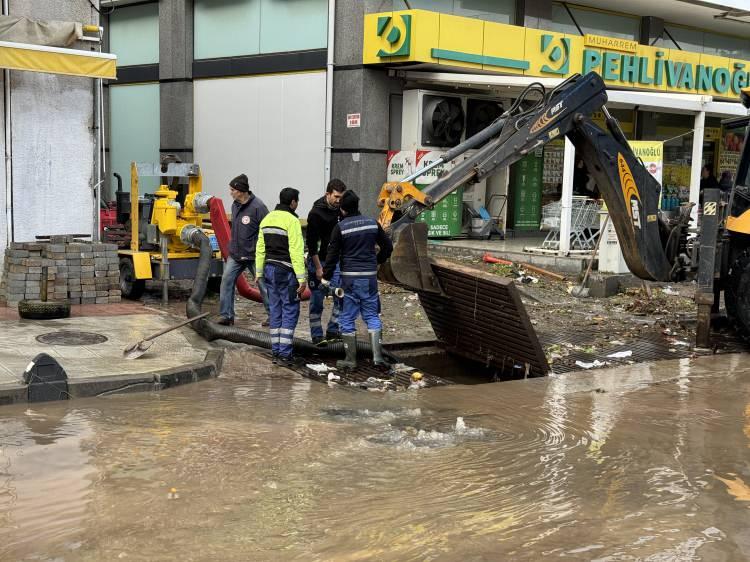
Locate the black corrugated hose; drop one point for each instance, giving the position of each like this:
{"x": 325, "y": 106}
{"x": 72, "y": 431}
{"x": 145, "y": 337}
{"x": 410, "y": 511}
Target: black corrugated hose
{"x": 213, "y": 331}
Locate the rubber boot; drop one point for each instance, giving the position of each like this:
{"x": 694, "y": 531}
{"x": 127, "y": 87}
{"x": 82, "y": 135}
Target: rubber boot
{"x": 350, "y": 346}
{"x": 377, "y": 349}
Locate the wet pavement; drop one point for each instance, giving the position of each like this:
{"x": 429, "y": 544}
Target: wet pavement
{"x": 646, "y": 462}
{"x": 91, "y": 346}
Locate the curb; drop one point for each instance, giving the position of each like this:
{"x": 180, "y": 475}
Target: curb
{"x": 562, "y": 264}
{"x": 210, "y": 367}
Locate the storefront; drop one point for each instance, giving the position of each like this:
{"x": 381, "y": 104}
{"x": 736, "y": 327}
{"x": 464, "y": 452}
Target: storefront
{"x": 676, "y": 97}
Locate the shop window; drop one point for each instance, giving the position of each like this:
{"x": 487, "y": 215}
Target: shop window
{"x": 501, "y": 11}
{"x": 726, "y": 46}
{"x": 564, "y": 20}
{"x": 683, "y": 38}
{"x": 249, "y": 27}
{"x": 134, "y": 34}
{"x": 698, "y": 41}
{"x": 134, "y": 131}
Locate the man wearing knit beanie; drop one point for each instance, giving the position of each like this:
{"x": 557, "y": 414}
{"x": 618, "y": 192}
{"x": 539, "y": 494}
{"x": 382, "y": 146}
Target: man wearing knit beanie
{"x": 247, "y": 212}
{"x": 353, "y": 246}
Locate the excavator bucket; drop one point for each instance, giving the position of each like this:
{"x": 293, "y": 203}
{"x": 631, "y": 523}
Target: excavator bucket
{"x": 410, "y": 263}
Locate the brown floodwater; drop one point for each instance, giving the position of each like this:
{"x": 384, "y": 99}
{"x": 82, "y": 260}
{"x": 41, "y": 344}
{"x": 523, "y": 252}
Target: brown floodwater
{"x": 638, "y": 463}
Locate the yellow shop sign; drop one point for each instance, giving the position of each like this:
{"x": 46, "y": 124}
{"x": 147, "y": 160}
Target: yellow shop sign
{"x": 410, "y": 36}
{"x": 610, "y": 43}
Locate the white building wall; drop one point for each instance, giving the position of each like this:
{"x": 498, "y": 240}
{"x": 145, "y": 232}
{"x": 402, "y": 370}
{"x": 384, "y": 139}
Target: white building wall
{"x": 268, "y": 127}
{"x": 53, "y": 155}
{"x": 4, "y": 191}
{"x": 52, "y": 138}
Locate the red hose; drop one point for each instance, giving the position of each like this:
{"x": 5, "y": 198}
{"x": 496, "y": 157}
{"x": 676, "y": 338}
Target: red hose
{"x": 220, "y": 224}
{"x": 490, "y": 259}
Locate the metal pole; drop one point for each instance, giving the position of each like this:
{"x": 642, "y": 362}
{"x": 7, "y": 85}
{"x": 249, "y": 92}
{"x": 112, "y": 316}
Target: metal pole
{"x": 164, "y": 269}
{"x": 329, "y": 92}
{"x": 97, "y": 163}
{"x": 43, "y": 288}
{"x": 697, "y": 163}
{"x": 566, "y": 202}
{"x": 8, "y": 149}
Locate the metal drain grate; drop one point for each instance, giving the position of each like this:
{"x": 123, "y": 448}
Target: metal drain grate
{"x": 644, "y": 348}
{"x": 71, "y": 338}
{"x": 365, "y": 370}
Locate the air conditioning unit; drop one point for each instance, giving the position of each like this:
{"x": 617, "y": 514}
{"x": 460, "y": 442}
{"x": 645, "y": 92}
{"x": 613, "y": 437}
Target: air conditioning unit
{"x": 436, "y": 121}
{"x": 481, "y": 113}
{"x": 432, "y": 120}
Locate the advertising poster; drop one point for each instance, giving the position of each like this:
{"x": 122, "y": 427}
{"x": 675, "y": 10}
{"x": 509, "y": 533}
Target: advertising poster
{"x": 652, "y": 154}
{"x": 444, "y": 220}
{"x": 527, "y": 175}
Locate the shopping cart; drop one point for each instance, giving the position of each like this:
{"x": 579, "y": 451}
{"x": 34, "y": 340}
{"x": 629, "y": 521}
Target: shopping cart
{"x": 584, "y": 224}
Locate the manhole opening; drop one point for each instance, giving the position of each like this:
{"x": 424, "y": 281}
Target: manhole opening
{"x": 64, "y": 337}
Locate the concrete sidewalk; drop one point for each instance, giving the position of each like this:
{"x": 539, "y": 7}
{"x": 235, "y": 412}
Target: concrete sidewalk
{"x": 95, "y": 365}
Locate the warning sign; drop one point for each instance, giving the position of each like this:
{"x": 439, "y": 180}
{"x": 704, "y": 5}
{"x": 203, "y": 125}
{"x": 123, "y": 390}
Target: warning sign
{"x": 352, "y": 120}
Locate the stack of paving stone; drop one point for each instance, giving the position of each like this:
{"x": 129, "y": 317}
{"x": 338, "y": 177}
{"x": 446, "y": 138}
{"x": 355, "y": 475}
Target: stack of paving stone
{"x": 78, "y": 272}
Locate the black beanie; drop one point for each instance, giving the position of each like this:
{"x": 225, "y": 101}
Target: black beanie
{"x": 240, "y": 183}
{"x": 350, "y": 202}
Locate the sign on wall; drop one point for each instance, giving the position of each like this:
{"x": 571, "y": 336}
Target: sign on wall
{"x": 444, "y": 39}
{"x": 353, "y": 120}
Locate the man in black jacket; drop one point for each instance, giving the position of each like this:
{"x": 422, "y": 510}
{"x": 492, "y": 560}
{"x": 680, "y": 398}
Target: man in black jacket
{"x": 247, "y": 212}
{"x": 320, "y": 222}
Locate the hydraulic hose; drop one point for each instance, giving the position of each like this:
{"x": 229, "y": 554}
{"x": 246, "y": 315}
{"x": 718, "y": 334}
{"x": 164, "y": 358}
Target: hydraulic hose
{"x": 213, "y": 331}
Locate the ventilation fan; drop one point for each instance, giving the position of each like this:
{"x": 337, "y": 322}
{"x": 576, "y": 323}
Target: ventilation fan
{"x": 442, "y": 121}
{"x": 480, "y": 114}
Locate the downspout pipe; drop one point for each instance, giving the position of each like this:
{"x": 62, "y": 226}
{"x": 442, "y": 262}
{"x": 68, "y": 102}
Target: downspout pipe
{"x": 8, "y": 148}
{"x": 213, "y": 331}
{"x": 329, "y": 92}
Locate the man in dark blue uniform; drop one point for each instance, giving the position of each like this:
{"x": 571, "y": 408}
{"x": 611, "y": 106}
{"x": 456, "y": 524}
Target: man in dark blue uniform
{"x": 247, "y": 212}
{"x": 353, "y": 247}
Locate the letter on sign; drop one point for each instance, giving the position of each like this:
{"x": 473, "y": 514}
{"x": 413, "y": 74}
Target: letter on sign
{"x": 352, "y": 120}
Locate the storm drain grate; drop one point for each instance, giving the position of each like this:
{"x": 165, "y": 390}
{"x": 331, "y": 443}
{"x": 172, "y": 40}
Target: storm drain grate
{"x": 359, "y": 378}
{"x": 64, "y": 337}
{"x": 646, "y": 348}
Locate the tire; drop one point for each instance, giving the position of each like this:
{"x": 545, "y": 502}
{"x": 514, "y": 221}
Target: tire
{"x": 737, "y": 294}
{"x": 130, "y": 287}
{"x": 43, "y": 310}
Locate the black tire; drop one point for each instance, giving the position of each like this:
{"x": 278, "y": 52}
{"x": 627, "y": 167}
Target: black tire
{"x": 737, "y": 294}
{"x": 130, "y": 287}
{"x": 43, "y": 310}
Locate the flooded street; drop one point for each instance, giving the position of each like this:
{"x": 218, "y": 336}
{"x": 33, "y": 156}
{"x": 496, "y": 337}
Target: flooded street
{"x": 638, "y": 463}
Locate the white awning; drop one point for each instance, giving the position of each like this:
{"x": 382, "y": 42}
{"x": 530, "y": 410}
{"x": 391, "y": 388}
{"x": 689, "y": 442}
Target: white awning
{"x": 56, "y": 60}
{"x": 659, "y": 101}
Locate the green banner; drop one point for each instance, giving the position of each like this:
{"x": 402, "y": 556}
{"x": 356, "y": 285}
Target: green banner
{"x": 526, "y": 186}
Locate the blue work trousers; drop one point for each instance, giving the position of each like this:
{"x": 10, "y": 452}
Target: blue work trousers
{"x": 360, "y": 297}
{"x": 232, "y": 271}
{"x": 317, "y": 299}
{"x": 283, "y": 303}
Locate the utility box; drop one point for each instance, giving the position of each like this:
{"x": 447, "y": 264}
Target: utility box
{"x": 610, "y": 253}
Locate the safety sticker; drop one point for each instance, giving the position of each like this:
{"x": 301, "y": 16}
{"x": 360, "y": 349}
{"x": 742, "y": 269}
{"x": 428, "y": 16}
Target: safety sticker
{"x": 709, "y": 208}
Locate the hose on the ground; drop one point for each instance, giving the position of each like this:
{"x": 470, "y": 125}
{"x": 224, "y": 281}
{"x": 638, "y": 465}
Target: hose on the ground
{"x": 213, "y": 331}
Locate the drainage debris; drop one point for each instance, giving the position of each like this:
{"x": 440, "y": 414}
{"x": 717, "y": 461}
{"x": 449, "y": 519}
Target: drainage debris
{"x": 620, "y": 354}
{"x": 595, "y": 363}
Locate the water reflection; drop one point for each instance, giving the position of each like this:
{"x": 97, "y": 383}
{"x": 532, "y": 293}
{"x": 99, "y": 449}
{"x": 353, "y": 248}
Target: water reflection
{"x": 46, "y": 477}
{"x": 646, "y": 462}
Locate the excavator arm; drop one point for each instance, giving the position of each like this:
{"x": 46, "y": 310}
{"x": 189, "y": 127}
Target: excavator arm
{"x": 650, "y": 246}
